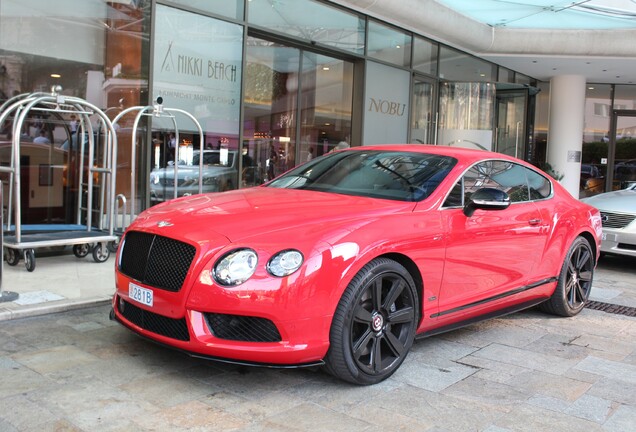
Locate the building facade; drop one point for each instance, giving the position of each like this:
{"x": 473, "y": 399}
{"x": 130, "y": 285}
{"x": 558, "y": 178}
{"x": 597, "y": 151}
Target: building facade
{"x": 271, "y": 83}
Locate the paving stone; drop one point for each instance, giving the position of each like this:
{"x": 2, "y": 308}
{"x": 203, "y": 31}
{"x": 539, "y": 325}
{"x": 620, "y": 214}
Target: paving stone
{"x": 528, "y": 418}
{"x": 22, "y": 414}
{"x": 498, "y": 396}
{"x": 433, "y": 377}
{"x": 192, "y": 415}
{"x": 525, "y": 358}
{"x": 609, "y": 369}
{"x": 623, "y": 420}
{"x": 54, "y": 359}
{"x": 614, "y": 390}
{"x": 586, "y": 407}
{"x": 309, "y": 416}
{"x": 550, "y": 385}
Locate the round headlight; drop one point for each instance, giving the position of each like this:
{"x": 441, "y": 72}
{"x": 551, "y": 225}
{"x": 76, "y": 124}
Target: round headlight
{"x": 235, "y": 267}
{"x": 285, "y": 263}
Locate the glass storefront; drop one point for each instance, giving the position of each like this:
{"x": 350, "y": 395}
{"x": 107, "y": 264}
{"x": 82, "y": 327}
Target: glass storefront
{"x": 271, "y": 84}
{"x": 297, "y": 105}
{"x": 97, "y": 51}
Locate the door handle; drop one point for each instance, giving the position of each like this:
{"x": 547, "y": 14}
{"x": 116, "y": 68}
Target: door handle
{"x": 534, "y": 221}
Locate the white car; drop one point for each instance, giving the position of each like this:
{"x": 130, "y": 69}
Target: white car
{"x": 618, "y": 215}
{"x": 218, "y": 174}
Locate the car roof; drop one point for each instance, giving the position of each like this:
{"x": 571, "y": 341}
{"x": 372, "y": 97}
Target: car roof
{"x": 463, "y": 154}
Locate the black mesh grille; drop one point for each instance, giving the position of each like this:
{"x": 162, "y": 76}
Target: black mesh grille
{"x": 616, "y": 220}
{"x": 156, "y": 261}
{"x": 242, "y": 328}
{"x": 159, "y": 324}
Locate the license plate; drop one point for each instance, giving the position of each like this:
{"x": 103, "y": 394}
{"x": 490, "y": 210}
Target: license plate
{"x": 139, "y": 294}
{"x": 608, "y": 237}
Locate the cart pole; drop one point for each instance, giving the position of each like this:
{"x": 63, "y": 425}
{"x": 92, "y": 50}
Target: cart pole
{"x": 5, "y": 296}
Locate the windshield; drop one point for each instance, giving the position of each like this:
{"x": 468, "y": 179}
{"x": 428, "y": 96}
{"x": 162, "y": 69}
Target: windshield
{"x": 402, "y": 176}
{"x": 214, "y": 158}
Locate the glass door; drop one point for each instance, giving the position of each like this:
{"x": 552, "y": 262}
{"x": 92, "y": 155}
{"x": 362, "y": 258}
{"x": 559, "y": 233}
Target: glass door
{"x": 422, "y": 112}
{"x": 511, "y": 122}
{"x": 621, "y": 170}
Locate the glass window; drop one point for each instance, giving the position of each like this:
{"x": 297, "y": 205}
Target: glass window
{"x": 598, "y": 110}
{"x": 523, "y": 79}
{"x": 505, "y": 75}
{"x": 276, "y": 76}
{"x": 389, "y": 45}
{"x": 326, "y": 105}
{"x": 197, "y": 69}
{"x": 228, "y": 8}
{"x": 425, "y": 56}
{"x": 520, "y": 183}
{"x": 458, "y": 66}
{"x": 465, "y": 114}
{"x": 390, "y": 175}
{"x": 311, "y": 21}
{"x": 94, "y": 50}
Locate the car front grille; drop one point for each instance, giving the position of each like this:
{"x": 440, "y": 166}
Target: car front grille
{"x": 616, "y": 220}
{"x": 157, "y": 261}
{"x": 155, "y": 323}
{"x": 242, "y": 328}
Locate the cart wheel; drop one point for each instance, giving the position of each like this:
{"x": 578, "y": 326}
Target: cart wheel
{"x": 113, "y": 245}
{"x": 29, "y": 259}
{"x": 81, "y": 250}
{"x": 12, "y": 257}
{"x": 100, "y": 253}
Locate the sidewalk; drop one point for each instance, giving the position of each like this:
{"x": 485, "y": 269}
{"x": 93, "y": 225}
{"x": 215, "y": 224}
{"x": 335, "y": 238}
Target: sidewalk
{"x": 59, "y": 282}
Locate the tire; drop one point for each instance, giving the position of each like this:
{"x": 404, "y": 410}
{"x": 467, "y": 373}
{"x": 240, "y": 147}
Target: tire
{"x": 374, "y": 324}
{"x": 101, "y": 253}
{"x": 113, "y": 245}
{"x": 81, "y": 250}
{"x": 29, "y": 259}
{"x": 575, "y": 281}
{"x": 12, "y": 257}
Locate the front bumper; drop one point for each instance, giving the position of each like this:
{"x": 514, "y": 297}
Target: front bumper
{"x": 618, "y": 242}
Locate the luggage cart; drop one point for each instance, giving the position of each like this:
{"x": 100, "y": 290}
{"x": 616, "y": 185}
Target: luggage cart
{"x": 93, "y": 229}
{"x": 127, "y": 213}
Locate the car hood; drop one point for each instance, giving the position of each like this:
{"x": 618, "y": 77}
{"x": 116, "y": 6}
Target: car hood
{"x": 622, "y": 201}
{"x": 245, "y": 213}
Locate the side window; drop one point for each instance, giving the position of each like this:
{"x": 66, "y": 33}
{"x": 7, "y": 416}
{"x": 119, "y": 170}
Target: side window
{"x": 503, "y": 175}
{"x": 540, "y": 187}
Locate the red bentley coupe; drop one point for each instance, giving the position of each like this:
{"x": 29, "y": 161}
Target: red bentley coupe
{"x": 346, "y": 259}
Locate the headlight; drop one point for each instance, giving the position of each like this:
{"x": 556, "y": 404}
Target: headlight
{"x": 285, "y": 263}
{"x": 208, "y": 181}
{"x": 236, "y": 267}
{"x": 154, "y": 178}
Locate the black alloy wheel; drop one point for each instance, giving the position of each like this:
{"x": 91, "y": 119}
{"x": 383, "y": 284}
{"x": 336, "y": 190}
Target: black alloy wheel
{"x": 374, "y": 325}
{"x": 575, "y": 281}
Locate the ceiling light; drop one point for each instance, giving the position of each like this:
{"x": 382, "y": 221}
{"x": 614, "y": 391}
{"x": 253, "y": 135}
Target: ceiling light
{"x": 56, "y": 75}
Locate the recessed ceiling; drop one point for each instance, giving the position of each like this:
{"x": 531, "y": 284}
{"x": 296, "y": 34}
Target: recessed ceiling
{"x": 549, "y": 14}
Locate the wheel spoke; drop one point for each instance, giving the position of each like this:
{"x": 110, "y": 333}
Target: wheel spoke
{"x": 583, "y": 258}
{"x": 360, "y": 346}
{"x": 376, "y": 294}
{"x": 396, "y": 345}
{"x": 376, "y": 356}
{"x": 580, "y": 294}
{"x": 362, "y": 315}
{"x": 396, "y": 289}
{"x": 586, "y": 276}
{"x": 404, "y": 315}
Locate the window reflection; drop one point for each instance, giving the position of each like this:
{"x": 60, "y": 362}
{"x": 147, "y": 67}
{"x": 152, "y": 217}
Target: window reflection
{"x": 276, "y": 76}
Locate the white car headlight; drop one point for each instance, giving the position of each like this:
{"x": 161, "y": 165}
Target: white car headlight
{"x": 285, "y": 263}
{"x": 236, "y": 267}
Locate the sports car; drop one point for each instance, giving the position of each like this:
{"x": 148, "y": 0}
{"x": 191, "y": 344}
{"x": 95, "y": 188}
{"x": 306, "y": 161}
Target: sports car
{"x": 343, "y": 261}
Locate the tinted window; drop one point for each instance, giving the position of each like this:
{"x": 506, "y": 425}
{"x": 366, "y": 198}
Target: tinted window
{"x": 520, "y": 183}
{"x": 400, "y": 176}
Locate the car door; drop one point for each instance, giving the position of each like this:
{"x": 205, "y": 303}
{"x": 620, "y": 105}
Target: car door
{"x": 490, "y": 255}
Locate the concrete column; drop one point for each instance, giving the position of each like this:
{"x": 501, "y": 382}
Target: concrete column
{"x": 565, "y": 129}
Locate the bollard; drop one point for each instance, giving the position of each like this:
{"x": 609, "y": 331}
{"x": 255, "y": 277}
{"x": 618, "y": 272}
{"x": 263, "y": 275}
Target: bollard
{"x": 5, "y": 296}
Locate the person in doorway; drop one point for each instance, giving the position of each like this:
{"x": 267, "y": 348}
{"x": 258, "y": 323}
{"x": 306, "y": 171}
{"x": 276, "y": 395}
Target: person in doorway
{"x": 42, "y": 138}
{"x": 310, "y": 154}
{"x": 73, "y": 124}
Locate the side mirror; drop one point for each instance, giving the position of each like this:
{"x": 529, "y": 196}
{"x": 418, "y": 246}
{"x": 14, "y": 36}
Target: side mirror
{"x": 486, "y": 199}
